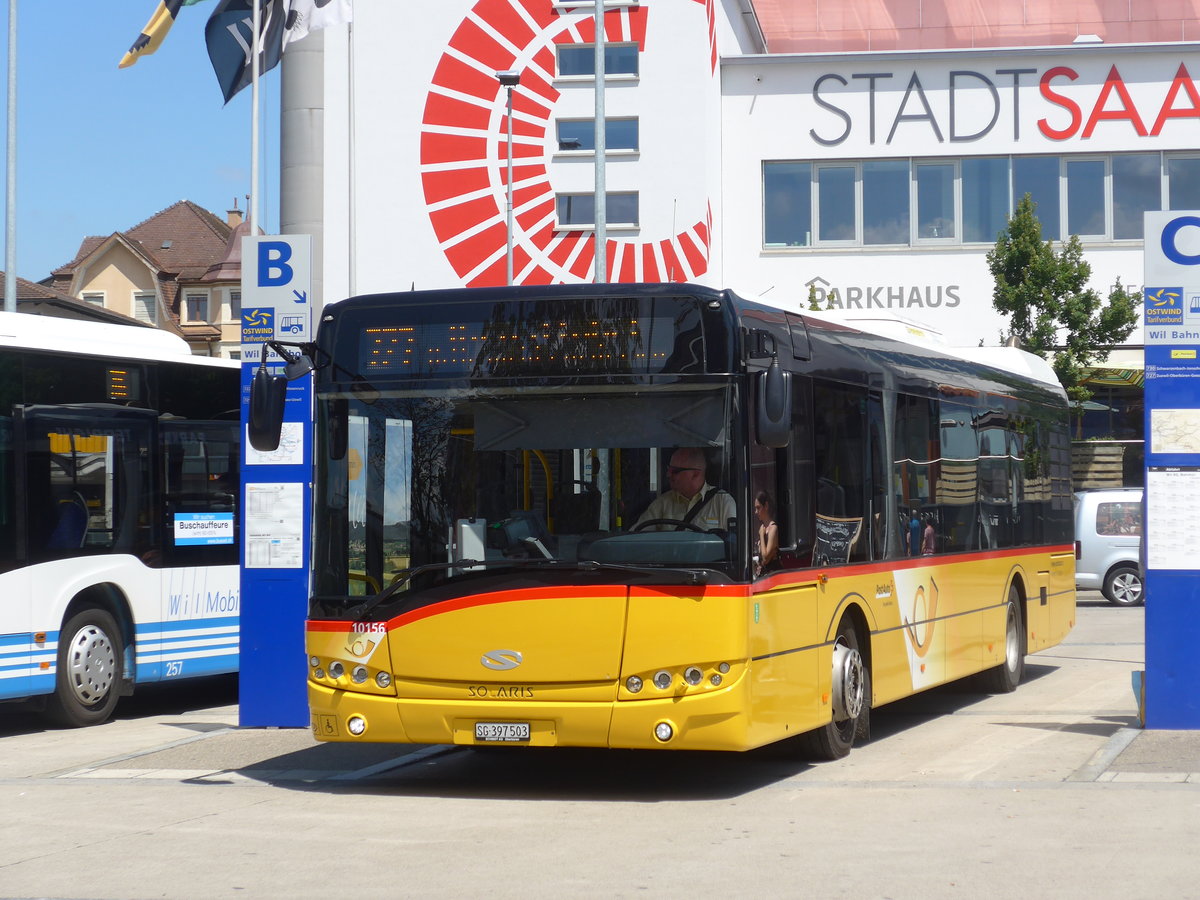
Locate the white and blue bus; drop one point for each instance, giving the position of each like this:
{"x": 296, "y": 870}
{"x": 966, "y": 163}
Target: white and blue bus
{"x": 119, "y": 526}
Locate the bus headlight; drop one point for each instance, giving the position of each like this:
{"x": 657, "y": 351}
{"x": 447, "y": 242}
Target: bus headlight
{"x": 336, "y": 669}
{"x": 692, "y": 675}
{"x": 633, "y": 684}
{"x": 662, "y": 679}
{"x": 663, "y": 731}
{"x": 383, "y": 679}
{"x": 359, "y": 674}
{"x": 356, "y": 725}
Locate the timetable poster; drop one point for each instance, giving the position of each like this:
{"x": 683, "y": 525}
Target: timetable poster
{"x": 1172, "y": 506}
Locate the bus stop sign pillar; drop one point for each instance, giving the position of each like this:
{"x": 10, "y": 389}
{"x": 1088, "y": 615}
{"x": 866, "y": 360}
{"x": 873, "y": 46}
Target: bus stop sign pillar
{"x": 1171, "y": 566}
{"x": 276, "y": 498}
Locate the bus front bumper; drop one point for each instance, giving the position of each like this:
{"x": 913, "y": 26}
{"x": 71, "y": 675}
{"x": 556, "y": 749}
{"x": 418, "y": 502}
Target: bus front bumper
{"x": 712, "y": 720}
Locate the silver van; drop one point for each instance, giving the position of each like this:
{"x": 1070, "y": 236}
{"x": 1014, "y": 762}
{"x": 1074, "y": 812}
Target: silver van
{"x": 1108, "y": 544}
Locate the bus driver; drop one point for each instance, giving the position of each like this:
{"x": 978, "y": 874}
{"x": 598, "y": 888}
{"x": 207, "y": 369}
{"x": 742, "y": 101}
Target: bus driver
{"x": 690, "y": 498}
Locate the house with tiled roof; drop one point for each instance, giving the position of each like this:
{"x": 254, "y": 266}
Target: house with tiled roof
{"x": 40, "y": 300}
{"x": 179, "y": 270}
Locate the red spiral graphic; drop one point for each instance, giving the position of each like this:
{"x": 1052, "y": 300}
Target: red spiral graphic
{"x": 464, "y": 159}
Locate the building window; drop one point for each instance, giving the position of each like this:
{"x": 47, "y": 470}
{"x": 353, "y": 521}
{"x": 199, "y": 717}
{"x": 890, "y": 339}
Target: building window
{"x": 144, "y": 307}
{"x": 1137, "y": 187}
{"x": 579, "y": 210}
{"x": 235, "y": 306}
{"x": 196, "y": 308}
{"x": 935, "y": 200}
{"x": 1183, "y": 180}
{"x": 984, "y": 198}
{"x": 967, "y": 201}
{"x": 885, "y": 202}
{"x": 835, "y": 203}
{"x": 580, "y": 134}
{"x": 580, "y": 59}
{"x": 1037, "y": 176}
{"x": 94, "y": 298}
{"x": 787, "y": 204}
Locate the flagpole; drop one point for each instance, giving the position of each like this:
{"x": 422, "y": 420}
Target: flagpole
{"x": 255, "y": 49}
{"x": 601, "y": 203}
{"x": 10, "y": 215}
{"x": 352, "y": 185}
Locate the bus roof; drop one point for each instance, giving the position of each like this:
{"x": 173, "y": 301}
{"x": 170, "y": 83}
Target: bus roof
{"x": 908, "y": 331}
{"x": 33, "y": 332}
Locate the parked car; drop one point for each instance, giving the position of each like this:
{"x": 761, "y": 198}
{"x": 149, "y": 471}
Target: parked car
{"x": 1108, "y": 544}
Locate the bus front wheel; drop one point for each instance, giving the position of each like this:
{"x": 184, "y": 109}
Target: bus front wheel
{"x": 851, "y": 700}
{"x": 89, "y": 655}
{"x": 1005, "y": 677}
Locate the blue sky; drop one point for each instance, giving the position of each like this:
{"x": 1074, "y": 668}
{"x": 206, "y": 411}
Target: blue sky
{"x": 100, "y": 149}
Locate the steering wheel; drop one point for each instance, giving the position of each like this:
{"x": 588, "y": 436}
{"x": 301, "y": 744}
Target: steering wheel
{"x": 678, "y": 523}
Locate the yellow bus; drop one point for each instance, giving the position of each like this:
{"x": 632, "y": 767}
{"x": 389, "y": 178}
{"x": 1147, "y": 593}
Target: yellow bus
{"x": 493, "y": 562}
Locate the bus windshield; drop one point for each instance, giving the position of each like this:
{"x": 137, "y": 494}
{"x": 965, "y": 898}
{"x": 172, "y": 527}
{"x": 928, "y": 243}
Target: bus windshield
{"x": 421, "y": 489}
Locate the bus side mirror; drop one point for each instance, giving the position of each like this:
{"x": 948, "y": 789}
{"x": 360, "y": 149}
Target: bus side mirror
{"x": 268, "y": 393}
{"x": 773, "y": 411}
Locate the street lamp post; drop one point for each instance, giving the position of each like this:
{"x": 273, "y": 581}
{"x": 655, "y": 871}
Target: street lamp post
{"x": 509, "y": 79}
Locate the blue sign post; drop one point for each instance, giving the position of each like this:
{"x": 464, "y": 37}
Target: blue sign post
{"x": 1171, "y": 320}
{"x": 276, "y": 499}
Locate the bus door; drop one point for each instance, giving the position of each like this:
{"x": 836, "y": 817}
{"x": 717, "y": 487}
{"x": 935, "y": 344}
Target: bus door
{"x": 199, "y": 517}
{"x": 16, "y": 646}
{"x": 84, "y": 479}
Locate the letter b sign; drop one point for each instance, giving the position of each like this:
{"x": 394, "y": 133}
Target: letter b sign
{"x": 273, "y": 268}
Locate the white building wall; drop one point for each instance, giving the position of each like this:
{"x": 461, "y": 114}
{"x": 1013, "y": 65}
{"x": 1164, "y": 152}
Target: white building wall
{"x": 415, "y": 170}
{"x": 889, "y": 106}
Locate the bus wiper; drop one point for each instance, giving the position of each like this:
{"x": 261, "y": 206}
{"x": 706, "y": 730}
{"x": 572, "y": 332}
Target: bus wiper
{"x": 408, "y": 574}
{"x": 694, "y": 576}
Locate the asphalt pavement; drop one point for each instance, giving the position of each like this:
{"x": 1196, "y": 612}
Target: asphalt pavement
{"x": 1051, "y": 791}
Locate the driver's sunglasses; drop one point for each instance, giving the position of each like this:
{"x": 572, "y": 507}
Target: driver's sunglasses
{"x": 675, "y": 470}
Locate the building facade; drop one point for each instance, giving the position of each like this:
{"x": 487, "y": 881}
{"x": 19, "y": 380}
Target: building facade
{"x": 869, "y": 167}
{"x": 179, "y": 270}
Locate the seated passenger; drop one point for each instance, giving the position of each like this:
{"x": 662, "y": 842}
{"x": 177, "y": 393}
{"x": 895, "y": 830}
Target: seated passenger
{"x": 766, "y": 545}
{"x": 690, "y": 498}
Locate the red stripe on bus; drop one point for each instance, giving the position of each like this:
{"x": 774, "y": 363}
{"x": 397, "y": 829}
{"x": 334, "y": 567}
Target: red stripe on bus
{"x": 789, "y": 576}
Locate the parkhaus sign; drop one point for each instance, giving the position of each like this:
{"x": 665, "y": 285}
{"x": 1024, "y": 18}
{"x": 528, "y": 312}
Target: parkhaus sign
{"x": 1026, "y": 103}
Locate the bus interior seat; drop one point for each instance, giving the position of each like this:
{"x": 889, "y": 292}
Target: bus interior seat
{"x": 70, "y": 529}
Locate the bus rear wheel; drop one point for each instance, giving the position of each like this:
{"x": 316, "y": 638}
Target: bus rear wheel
{"x": 1005, "y": 677}
{"x": 89, "y": 654}
{"x": 851, "y": 700}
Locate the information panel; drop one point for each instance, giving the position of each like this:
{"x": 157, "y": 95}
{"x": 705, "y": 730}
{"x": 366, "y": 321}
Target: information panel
{"x": 1171, "y": 319}
{"x": 276, "y": 287}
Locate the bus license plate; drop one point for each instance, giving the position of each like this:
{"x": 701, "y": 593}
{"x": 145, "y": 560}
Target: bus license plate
{"x": 501, "y": 731}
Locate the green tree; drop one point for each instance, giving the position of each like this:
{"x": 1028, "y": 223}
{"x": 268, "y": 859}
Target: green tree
{"x": 1050, "y": 309}
{"x": 813, "y": 302}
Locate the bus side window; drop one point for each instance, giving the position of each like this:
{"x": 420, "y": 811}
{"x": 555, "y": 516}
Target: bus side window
{"x": 201, "y": 484}
{"x": 841, "y": 461}
{"x": 797, "y": 484}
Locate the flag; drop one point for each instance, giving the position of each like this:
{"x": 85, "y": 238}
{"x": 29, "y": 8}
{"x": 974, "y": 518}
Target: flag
{"x": 307, "y": 16}
{"x": 155, "y": 31}
{"x": 229, "y": 28}
{"x": 228, "y": 35}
